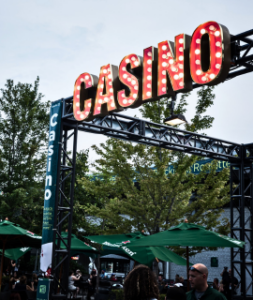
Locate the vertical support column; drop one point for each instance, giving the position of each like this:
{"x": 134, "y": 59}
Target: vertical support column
{"x": 71, "y": 200}
{"x": 64, "y": 207}
{"x": 241, "y": 214}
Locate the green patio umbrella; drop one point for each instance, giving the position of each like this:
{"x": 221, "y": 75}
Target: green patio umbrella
{"x": 114, "y": 239}
{"x": 121, "y": 244}
{"x": 187, "y": 234}
{"x": 15, "y": 253}
{"x": 79, "y": 247}
{"x": 13, "y": 236}
{"x": 146, "y": 255}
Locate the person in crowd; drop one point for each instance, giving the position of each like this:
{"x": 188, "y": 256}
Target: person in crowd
{"x": 78, "y": 273}
{"x": 225, "y": 281}
{"x": 14, "y": 278}
{"x": 22, "y": 285}
{"x": 102, "y": 275}
{"x": 178, "y": 282}
{"x": 34, "y": 281}
{"x": 141, "y": 284}
{"x": 176, "y": 278}
{"x": 13, "y": 265}
{"x": 113, "y": 277}
{"x": 92, "y": 284}
{"x": 161, "y": 284}
{"x": 175, "y": 293}
{"x": 7, "y": 271}
{"x": 216, "y": 284}
{"x": 181, "y": 280}
{"x": 71, "y": 280}
{"x": 233, "y": 282}
{"x": 198, "y": 274}
{"x": 221, "y": 288}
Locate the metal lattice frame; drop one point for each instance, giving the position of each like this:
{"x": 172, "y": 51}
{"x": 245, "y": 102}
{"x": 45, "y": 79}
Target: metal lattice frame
{"x": 141, "y": 131}
{"x": 241, "y": 215}
{"x": 64, "y": 206}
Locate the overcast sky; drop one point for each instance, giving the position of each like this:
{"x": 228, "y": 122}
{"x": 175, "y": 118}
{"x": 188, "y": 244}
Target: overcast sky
{"x": 59, "y": 40}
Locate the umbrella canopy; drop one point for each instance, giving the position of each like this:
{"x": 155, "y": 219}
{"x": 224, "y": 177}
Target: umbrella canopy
{"x": 115, "y": 240}
{"x": 13, "y": 236}
{"x": 15, "y": 253}
{"x": 187, "y": 234}
{"x": 79, "y": 247}
{"x": 146, "y": 255}
{"x": 121, "y": 244}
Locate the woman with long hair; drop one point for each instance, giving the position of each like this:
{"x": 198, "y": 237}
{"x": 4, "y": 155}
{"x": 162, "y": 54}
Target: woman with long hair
{"x": 141, "y": 284}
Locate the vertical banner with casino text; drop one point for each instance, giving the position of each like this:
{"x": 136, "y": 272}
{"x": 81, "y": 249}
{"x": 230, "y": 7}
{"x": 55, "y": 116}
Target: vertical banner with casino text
{"x": 50, "y": 186}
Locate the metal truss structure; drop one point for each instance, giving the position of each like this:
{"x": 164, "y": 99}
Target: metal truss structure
{"x": 136, "y": 130}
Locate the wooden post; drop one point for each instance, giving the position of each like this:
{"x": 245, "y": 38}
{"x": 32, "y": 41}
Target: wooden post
{"x": 2, "y": 265}
{"x": 187, "y": 266}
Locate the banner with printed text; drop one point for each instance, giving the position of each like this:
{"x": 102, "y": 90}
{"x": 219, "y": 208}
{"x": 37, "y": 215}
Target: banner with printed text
{"x": 50, "y": 186}
{"x": 43, "y": 289}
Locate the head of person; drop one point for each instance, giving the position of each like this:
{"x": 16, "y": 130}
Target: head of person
{"x": 71, "y": 273}
{"x": 181, "y": 279}
{"x": 175, "y": 293}
{"x": 103, "y": 271}
{"x": 216, "y": 281}
{"x": 198, "y": 274}
{"x": 23, "y": 279}
{"x": 15, "y": 274}
{"x": 160, "y": 277}
{"x": 93, "y": 273}
{"x": 34, "y": 277}
{"x": 141, "y": 284}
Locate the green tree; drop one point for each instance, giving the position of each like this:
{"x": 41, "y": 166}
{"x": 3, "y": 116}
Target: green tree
{"x": 142, "y": 196}
{"x": 24, "y": 121}
{"x": 83, "y": 199}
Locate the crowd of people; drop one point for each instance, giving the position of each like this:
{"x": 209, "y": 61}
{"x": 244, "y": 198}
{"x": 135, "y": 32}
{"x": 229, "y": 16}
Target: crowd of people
{"x": 142, "y": 284}
{"x": 15, "y": 282}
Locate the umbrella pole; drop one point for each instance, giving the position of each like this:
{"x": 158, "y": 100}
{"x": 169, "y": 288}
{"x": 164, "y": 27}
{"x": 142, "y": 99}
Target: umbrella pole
{"x": 2, "y": 266}
{"x": 187, "y": 270}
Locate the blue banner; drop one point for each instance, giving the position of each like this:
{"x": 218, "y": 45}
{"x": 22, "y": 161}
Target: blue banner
{"x": 50, "y": 186}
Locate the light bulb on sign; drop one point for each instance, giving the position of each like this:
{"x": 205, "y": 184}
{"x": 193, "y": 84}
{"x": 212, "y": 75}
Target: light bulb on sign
{"x": 86, "y": 83}
{"x": 149, "y": 73}
{"x": 172, "y": 63}
{"x": 219, "y": 58}
{"x": 105, "y": 102}
{"x": 129, "y": 80}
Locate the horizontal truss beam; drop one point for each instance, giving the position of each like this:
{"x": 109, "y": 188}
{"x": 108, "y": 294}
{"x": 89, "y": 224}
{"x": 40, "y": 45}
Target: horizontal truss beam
{"x": 159, "y": 135}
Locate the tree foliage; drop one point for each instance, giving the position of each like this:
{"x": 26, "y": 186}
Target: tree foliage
{"x": 24, "y": 121}
{"x": 143, "y": 196}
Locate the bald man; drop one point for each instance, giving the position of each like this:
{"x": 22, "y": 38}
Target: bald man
{"x": 198, "y": 274}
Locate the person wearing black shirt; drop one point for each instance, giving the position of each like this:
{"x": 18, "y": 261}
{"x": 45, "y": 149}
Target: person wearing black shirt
{"x": 233, "y": 284}
{"x": 92, "y": 284}
{"x": 225, "y": 280}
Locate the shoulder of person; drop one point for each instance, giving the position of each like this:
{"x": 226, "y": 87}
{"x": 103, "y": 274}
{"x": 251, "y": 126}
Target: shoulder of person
{"x": 190, "y": 295}
{"x": 215, "y": 295}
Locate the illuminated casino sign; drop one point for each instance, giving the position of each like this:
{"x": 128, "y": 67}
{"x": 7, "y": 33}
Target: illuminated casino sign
{"x": 203, "y": 58}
